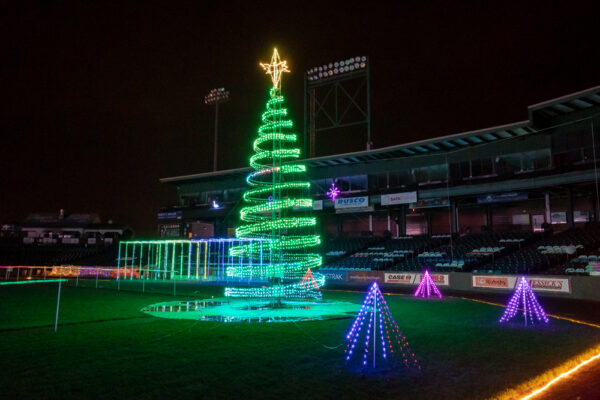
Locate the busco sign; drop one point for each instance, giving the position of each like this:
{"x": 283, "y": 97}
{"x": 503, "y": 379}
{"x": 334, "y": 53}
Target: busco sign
{"x": 352, "y": 202}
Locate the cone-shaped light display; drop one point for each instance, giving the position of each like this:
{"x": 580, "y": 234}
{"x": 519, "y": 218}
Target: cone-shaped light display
{"x": 525, "y": 298}
{"x": 427, "y": 287}
{"x": 375, "y": 340}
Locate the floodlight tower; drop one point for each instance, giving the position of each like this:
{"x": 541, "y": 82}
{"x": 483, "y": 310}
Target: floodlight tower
{"x": 215, "y": 97}
{"x": 336, "y": 95}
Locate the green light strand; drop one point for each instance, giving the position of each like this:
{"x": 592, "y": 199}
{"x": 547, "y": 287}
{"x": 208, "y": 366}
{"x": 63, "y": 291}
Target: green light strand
{"x": 272, "y": 201}
{"x": 32, "y": 281}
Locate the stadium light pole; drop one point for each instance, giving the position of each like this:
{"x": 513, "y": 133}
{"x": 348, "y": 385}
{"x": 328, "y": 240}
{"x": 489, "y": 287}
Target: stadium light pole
{"x": 215, "y": 97}
{"x": 331, "y": 78}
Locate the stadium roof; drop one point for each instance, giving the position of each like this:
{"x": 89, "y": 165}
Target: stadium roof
{"x": 570, "y": 103}
{"x": 552, "y": 108}
{"x": 429, "y": 146}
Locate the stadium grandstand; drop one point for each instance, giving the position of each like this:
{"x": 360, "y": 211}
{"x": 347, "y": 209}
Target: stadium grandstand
{"x": 516, "y": 198}
{"x": 61, "y": 238}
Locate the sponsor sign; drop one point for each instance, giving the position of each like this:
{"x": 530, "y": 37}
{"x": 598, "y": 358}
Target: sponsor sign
{"x": 400, "y": 278}
{"x": 544, "y": 284}
{"x": 494, "y": 281}
{"x": 170, "y": 215}
{"x": 364, "y": 276}
{"x": 333, "y": 276}
{"x": 502, "y": 197}
{"x": 558, "y": 217}
{"x": 520, "y": 219}
{"x": 538, "y": 284}
{"x": 411, "y": 278}
{"x": 317, "y": 205}
{"x": 581, "y": 216}
{"x": 398, "y": 198}
{"x": 352, "y": 202}
{"x": 430, "y": 203}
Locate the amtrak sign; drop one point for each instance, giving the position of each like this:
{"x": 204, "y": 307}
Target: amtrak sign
{"x": 352, "y": 202}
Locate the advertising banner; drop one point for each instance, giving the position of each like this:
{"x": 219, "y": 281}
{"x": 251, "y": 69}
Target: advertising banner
{"x": 538, "y": 284}
{"x": 581, "y": 216}
{"x": 502, "y": 197}
{"x": 352, "y": 202}
{"x": 544, "y": 284}
{"x": 317, "y": 205}
{"x": 558, "y": 217}
{"x": 494, "y": 281}
{"x": 398, "y": 198}
{"x": 430, "y": 203}
{"x": 364, "y": 276}
{"x": 413, "y": 278}
{"x": 403, "y": 278}
{"x": 333, "y": 276}
{"x": 170, "y": 215}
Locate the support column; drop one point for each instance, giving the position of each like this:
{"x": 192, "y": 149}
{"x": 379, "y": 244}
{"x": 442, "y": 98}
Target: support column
{"x": 454, "y": 214}
{"x": 489, "y": 218}
{"x": 401, "y": 221}
{"x": 428, "y": 219}
{"x": 594, "y": 215}
{"x": 547, "y": 197}
{"x": 389, "y": 221}
{"x": 570, "y": 217}
{"x": 370, "y": 222}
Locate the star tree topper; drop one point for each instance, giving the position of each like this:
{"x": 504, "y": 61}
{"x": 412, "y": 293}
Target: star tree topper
{"x": 275, "y": 68}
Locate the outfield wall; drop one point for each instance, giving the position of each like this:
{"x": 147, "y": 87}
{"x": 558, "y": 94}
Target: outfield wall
{"x": 574, "y": 287}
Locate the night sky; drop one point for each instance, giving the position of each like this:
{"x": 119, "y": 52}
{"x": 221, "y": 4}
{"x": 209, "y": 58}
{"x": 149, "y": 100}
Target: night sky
{"x": 100, "y": 101}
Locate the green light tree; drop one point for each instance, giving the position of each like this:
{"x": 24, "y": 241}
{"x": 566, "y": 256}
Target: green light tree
{"x": 276, "y": 207}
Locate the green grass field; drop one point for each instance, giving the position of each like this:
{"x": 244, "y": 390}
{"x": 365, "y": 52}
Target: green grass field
{"x": 106, "y": 348}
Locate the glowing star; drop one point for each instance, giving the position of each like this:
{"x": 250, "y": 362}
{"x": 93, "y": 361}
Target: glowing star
{"x": 525, "y": 298}
{"x": 427, "y": 287}
{"x": 376, "y": 334}
{"x": 333, "y": 192}
{"x": 275, "y": 68}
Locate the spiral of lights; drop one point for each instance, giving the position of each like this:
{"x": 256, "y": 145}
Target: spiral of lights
{"x": 272, "y": 205}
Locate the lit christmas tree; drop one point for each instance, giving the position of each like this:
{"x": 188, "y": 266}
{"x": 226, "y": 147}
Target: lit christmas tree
{"x": 308, "y": 281}
{"x": 524, "y": 297}
{"x": 275, "y": 207}
{"x": 427, "y": 287}
{"x": 375, "y": 340}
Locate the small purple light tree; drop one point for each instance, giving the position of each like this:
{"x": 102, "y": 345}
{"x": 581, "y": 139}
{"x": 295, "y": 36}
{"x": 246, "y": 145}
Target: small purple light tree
{"x": 333, "y": 192}
{"x": 525, "y": 297}
{"x": 427, "y": 286}
{"x": 375, "y": 324}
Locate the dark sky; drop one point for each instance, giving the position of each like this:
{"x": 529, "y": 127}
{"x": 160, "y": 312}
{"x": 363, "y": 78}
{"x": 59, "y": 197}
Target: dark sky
{"x": 100, "y": 101}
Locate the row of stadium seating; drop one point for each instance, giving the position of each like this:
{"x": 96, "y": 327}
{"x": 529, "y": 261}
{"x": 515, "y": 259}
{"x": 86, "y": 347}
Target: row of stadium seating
{"x": 550, "y": 253}
{"x": 437, "y": 254}
{"x": 385, "y": 254}
{"x": 340, "y": 247}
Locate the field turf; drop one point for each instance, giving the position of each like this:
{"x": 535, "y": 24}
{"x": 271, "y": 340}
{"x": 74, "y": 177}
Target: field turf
{"x": 106, "y": 348}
